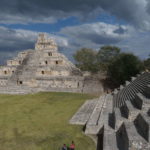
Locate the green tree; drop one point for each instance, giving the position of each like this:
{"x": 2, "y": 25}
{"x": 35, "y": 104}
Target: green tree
{"x": 123, "y": 67}
{"x": 105, "y": 56}
{"x": 86, "y": 59}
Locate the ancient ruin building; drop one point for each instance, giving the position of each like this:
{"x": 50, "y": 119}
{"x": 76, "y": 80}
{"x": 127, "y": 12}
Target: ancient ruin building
{"x": 40, "y": 69}
{"x": 43, "y": 69}
{"x": 119, "y": 120}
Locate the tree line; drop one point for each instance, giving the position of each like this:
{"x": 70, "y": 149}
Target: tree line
{"x": 118, "y": 66}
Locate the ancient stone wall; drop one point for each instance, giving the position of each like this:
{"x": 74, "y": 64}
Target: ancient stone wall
{"x": 46, "y": 72}
{"x": 7, "y": 71}
{"x": 44, "y": 43}
{"x": 3, "y": 82}
{"x": 14, "y": 62}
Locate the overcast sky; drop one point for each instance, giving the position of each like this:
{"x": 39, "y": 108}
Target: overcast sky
{"x": 75, "y": 24}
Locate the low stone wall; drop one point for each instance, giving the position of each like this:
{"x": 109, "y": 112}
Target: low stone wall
{"x": 92, "y": 85}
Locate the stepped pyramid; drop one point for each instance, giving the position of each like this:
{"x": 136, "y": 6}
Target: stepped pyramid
{"x": 119, "y": 120}
{"x": 40, "y": 69}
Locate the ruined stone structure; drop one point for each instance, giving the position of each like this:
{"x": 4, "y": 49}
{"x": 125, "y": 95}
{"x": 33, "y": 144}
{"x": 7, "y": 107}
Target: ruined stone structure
{"x": 119, "y": 120}
{"x": 41, "y": 69}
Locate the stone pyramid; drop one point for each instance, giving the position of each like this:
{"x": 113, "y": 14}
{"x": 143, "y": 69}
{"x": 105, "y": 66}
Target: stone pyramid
{"x": 40, "y": 69}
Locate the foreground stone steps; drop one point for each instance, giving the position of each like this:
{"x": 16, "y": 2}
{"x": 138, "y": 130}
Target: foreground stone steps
{"x": 127, "y": 126}
{"x": 130, "y": 119}
{"x": 118, "y": 119}
{"x": 128, "y": 138}
{"x": 129, "y": 111}
{"x": 109, "y": 141}
{"x": 142, "y": 123}
{"x": 142, "y": 102}
{"x": 147, "y": 91}
{"x": 93, "y": 120}
{"x": 129, "y": 91}
{"x": 101, "y": 119}
{"x": 83, "y": 114}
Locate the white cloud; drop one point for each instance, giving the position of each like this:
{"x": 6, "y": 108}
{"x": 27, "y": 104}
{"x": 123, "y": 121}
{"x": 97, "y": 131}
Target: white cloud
{"x": 14, "y": 40}
{"x": 97, "y": 33}
{"x": 69, "y": 39}
{"x": 138, "y": 44}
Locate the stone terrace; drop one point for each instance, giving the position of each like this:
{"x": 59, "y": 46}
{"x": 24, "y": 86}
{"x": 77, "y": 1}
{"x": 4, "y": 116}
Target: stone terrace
{"x": 120, "y": 120}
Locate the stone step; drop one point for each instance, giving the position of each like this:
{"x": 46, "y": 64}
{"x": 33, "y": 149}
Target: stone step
{"x": 128, "y": 95}
{"x": 93, "y": 126}
{"x": 141, "y": 102}
{"x": 83, "y": 114}
{"x": 128, "y": 92}
{"x": 123, "y": 96}
{"x": 133, "y": 78}
{"x": 109, "y": 140}
{"x": 118, "y": 119}
{"x": 127, "y": 83}
{"x": 93, "y": 120}
{"x": 103, "y": 119}
{"x": 137, "y": 85}
{"x": 25, "y": 70}
{"x": 134, "y": 139}
{"x": 121, "y": 87}
{"x": 129, "y": 111}
{"x": 108, "y": 111}
{"x": 142, "y": 123}
{"x": 93, "y": 129}
{"x": 147, "y": 91}
{"x": 129, "y": 139}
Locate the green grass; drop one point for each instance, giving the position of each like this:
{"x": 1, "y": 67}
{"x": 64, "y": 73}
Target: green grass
{"x": 40, "y": 121}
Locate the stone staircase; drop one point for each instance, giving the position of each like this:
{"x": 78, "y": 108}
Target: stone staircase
{"x": 25, "y": 71}
{"x": 125, "y": 125}
{"x": 12, "y": 81}
{"x": 128, "y": 92}
{"x": 30, "y": 67}
{"x": 82, "y": 116}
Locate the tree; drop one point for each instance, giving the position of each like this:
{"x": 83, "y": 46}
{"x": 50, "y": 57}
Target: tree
{"x": 86, "y": 59}
{"x": 147, "y": 63}
{"x": 123, "y": 67}
{"x": 106, "y": 55}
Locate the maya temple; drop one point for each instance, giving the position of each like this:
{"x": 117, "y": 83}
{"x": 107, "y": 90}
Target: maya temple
{"x": 42, "y": 69}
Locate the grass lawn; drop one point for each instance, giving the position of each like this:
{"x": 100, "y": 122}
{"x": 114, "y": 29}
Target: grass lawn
{"x": 40, "y": 122}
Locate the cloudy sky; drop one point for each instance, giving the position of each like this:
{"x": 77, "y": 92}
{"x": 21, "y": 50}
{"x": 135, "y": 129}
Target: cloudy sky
{"x": 75, "y": 24}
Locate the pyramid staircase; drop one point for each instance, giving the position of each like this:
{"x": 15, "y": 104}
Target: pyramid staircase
{"x": 24, "y": 71}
